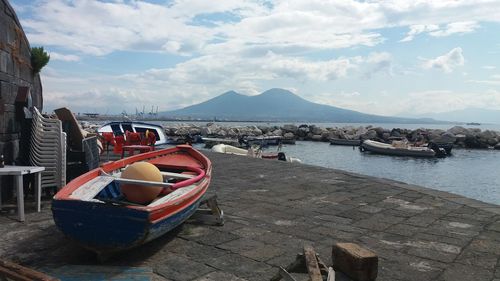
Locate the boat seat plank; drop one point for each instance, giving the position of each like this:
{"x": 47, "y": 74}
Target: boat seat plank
{"x": 145, "y": 183}
{"x": 90, "y": 189}
{"x": 177, "y": 175}
{"x": 166, "y": 175}
{"x": 173, "y": 195}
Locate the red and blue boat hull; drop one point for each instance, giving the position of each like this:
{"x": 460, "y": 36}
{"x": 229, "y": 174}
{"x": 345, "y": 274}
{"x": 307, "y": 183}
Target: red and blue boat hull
{"x": 110, "y": 227}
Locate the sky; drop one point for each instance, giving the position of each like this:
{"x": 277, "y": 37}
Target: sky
{"x": 392, "y": 57}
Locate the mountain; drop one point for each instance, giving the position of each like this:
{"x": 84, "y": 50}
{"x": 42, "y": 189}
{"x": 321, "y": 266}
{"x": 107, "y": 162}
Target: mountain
{"x": 278, "y": 105}
{"x": 469, "y": 115}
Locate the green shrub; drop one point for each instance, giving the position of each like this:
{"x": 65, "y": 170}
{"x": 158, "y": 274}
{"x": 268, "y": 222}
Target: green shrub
{"x": 39, "y": 58}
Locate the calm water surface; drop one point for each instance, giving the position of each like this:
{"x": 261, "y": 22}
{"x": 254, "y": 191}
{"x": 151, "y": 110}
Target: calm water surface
{"x": 471, "y": 173}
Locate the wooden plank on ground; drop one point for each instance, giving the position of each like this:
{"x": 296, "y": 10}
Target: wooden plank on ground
{"x": 322, "y": 266}
{"x": 312, "y": 264}
{"x": 16, "y": 272}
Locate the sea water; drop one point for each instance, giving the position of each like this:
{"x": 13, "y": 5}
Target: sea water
{"x": 473, "y": 173}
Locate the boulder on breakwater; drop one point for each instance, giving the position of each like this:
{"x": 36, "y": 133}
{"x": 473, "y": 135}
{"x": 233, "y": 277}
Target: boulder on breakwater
{"x": 459, "y": 136}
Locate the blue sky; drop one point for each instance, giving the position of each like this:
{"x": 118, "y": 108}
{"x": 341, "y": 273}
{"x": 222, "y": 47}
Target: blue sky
{"x": 393, "y": 57}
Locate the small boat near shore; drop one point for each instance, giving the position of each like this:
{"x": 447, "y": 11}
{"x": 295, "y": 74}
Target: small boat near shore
{"x": 119, "y": 129}
{"x": 337, "y": 141}
{"x": 229, "y": 149}
{"x": 210, "y": 142}
{"x": 255, "y": 153}
{"x": 262, "y": 140}
{"x": 402, "y": 149}
{"x": 93, "y": 211}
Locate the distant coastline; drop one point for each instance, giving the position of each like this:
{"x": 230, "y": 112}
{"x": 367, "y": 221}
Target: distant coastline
{"x": 103, "y": 118}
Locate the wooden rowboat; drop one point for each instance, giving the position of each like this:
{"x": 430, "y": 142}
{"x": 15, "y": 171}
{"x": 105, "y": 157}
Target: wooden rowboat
{"x": 92, "y": 211}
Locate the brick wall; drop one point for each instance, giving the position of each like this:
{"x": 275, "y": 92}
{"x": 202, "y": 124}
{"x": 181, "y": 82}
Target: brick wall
{"x": 15, "y": 72}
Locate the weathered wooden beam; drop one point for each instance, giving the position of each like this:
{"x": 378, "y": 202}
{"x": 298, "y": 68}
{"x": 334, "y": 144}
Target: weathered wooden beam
{"x": 285, "y": 275}
{"x": 322, "y": 266}
{"x": 312, "y": 264}
{"x": 355, "y": 261}
{"x": 16, "y": 272}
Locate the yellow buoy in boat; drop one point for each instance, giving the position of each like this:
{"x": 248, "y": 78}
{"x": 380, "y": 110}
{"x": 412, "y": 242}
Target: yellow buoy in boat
{"x": 141, "y": 194}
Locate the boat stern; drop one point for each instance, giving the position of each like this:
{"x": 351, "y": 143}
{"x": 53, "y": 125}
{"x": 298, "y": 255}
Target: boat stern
{"x": 101, "y": 227}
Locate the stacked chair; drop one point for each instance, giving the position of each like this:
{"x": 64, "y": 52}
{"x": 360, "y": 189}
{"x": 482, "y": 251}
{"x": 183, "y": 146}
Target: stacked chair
{"x": 82, "y": 151}
{"x": 48, "y": 149}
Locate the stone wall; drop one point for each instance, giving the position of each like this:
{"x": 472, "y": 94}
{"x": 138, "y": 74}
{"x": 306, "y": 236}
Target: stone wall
{"x": 16, "y": 78}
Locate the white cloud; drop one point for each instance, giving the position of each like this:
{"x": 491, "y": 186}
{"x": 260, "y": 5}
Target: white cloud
{"x": 436, "y": 31}
{"x": 437, "y": 101}
{"x": 186, "y": 27}
{"x": 446, "y": 62}
{"x": 489, "y": 67}
{"x": 195, "y": 80}
{"x": 456, "y": 28}
{"x": 350, "y": 94}
{"x": 62, "y": 57}
{"x": 378, "y": 62}
{"x": 417, "y": 29}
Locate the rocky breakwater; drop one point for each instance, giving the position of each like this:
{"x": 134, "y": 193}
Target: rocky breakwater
{"x": 459, "y": 136}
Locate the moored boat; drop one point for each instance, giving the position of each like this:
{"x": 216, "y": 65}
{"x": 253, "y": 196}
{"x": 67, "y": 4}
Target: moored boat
{"x": 119, "y": 129}
{"x": 397, "y": 149}
{"x": 336, "y": 141}
{"x": 262, "y": 140}
{"x": 92, "y": 209}
{"x": 210, "y": 142}
{"x": 254, "y": 152}
{"x": 229, "y": 149}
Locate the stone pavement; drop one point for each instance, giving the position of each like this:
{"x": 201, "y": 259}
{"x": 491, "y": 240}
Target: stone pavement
{"x": 273, "y": 208}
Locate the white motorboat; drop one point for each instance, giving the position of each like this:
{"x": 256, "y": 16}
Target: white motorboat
{"x": 397, "y": 149}
{"x": 229, "y": 149}
{"x": 255, "y": 153}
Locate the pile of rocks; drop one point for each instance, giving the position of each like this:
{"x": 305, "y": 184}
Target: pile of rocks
{"x": 460, "y": 136}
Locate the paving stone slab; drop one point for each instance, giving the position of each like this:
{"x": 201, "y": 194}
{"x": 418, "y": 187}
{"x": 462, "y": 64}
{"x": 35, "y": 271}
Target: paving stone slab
{"x": 404, "y": 229}
{"x": 240, "y": 266}
{"x": 485, "y": 260}
{"x": 466, "y": 273}
{"x": 176, "y": 267}
{"x": 219, "y": 276}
